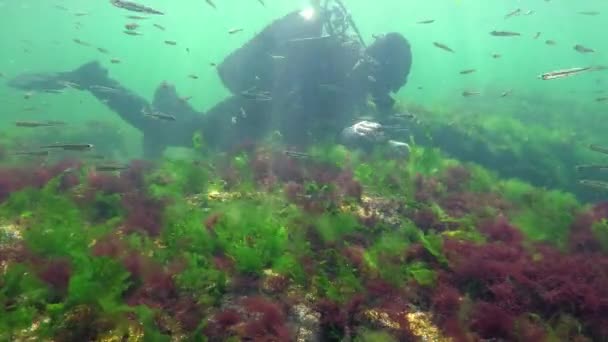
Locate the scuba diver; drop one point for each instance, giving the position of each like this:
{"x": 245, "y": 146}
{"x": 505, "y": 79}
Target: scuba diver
{"x": 306, "y": 76}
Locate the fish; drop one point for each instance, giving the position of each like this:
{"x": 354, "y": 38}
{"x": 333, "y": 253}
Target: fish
{"x": 160, "y": 116}
{"x": 429, "y": 21}
{"x": 295, "y": 154}
{"x": 32, "y": 153}
{"x": 262, "y": 3}
{"x": 256, "y": 96}
{"x": 135, "y": 7}
{"x": 192, "y": 76}
{"x": 131, "y": 26}
{"x": 506, "y": 93}
{"x": 550, "y": 42}
{"x": 210, "y": 3}
{"x": 35, "y": 124}
{"x": 309, "y": 39}
{"x": 103, "y": 89}
{"x": 599, "y": 185}
{"x": 60, "y": 7}
{"x": 405, "y": 115}
{"x": 160, "y": 27}
{"x": 598, "y": 148}
{"x": 467, "y": 93}
{"x": 529, "y": 12}
{"x": 95, "y": 156}
{"x": 70, "y": 147}
{"x": 170, "y": 42}
{"x": 28, "y": 95}
{"x": 591, "y": 167}
{"x": 136, "y": 17}
{"x": 131, "y": 33}
{"x": 371, "y": 79}
{"x": 53, "y": 91}
{"x": 504, "y": 34}
{"x": 537, "y": 35}
{"x": 592, "y": 13}
{"x": 467, "y": 71}
{"x": 562, "y": 73}
{"x": 185, "y": 98}
{"x": 80, "y": 42}
{"x": 582, "y": 49}
{"x": 496, "y": 55}
{"x": 81, "y": 14}
{"x": 601, "y": 99}
{"x": 111, "y": 167}
{"x": 443, "y": 47}
{"x": 276, "y": 57}
{"x": 102, "y": 50}
{"x": 115, "y": 61}
{"x": 235, "y": 30}
{"x": 212, "y": 64}
{"x": 513, "y": 13}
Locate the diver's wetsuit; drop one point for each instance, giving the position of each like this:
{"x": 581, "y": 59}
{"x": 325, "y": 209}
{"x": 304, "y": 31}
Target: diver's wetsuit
{"x": 293, "y": 77}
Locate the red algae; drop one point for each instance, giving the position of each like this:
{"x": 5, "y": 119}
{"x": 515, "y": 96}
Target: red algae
{"x": 144, "y": 214}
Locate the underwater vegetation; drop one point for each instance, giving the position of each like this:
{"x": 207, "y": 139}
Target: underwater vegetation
{"x": 260, "y": 245}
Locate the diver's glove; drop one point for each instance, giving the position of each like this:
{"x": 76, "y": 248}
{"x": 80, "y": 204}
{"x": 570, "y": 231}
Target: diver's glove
{"x": 362, "y": 133}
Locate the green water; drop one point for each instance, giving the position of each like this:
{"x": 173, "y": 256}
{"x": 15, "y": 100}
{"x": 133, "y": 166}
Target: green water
{"x": 37, "y": 36}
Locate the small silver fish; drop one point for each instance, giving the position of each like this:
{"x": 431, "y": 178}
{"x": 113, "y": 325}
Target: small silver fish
{"x": 429, "y": 21}
{"x": 210, "y": 3}
{"x": 467, "y": 71}
{"x": 595, "y": 184}
{"x": 35, "y": 124}
{"x": 135, "y": 7}
{"x": 131, "y": 26}
{"x": 562, "y": 73}
{"x": 592, "y": 13}
{"x": 443, "y": 47}
{"x": 132, "y": 33}
{"x": 598, "y": 148}
{"x": 235, "y": 30}
{"x": 550, "y": 42}
{"x": 506, "y": 93}
{"x": 160, "y": 27}
{"x": 80, "y": 42}
{"x": 468, "y": 93}
{"x": 32, "y": 153}
{"x": 592, "y": 167}
{"x": 504, "y": 34}
{"x": 582, "y": 49}
{"x": 70, "y": 147}
{"x": 103, "y": 89}
{"x": 537, "y": 35}
{"x": 513, "y": 13}
{"x": 111, "y": 167}
{"x": 160, "y": 116}
{"x": 170, "y": 42}
{"x": 295, "y": 154}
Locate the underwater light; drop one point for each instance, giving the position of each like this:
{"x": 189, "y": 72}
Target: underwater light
{"x": 307, "y": 13}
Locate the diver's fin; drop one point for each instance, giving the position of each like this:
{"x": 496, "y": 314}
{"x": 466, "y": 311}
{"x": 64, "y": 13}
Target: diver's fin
{"x": 167, "y": 101}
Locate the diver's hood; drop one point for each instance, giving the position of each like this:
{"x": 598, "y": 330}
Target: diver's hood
{"x": 393, "y": 56}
